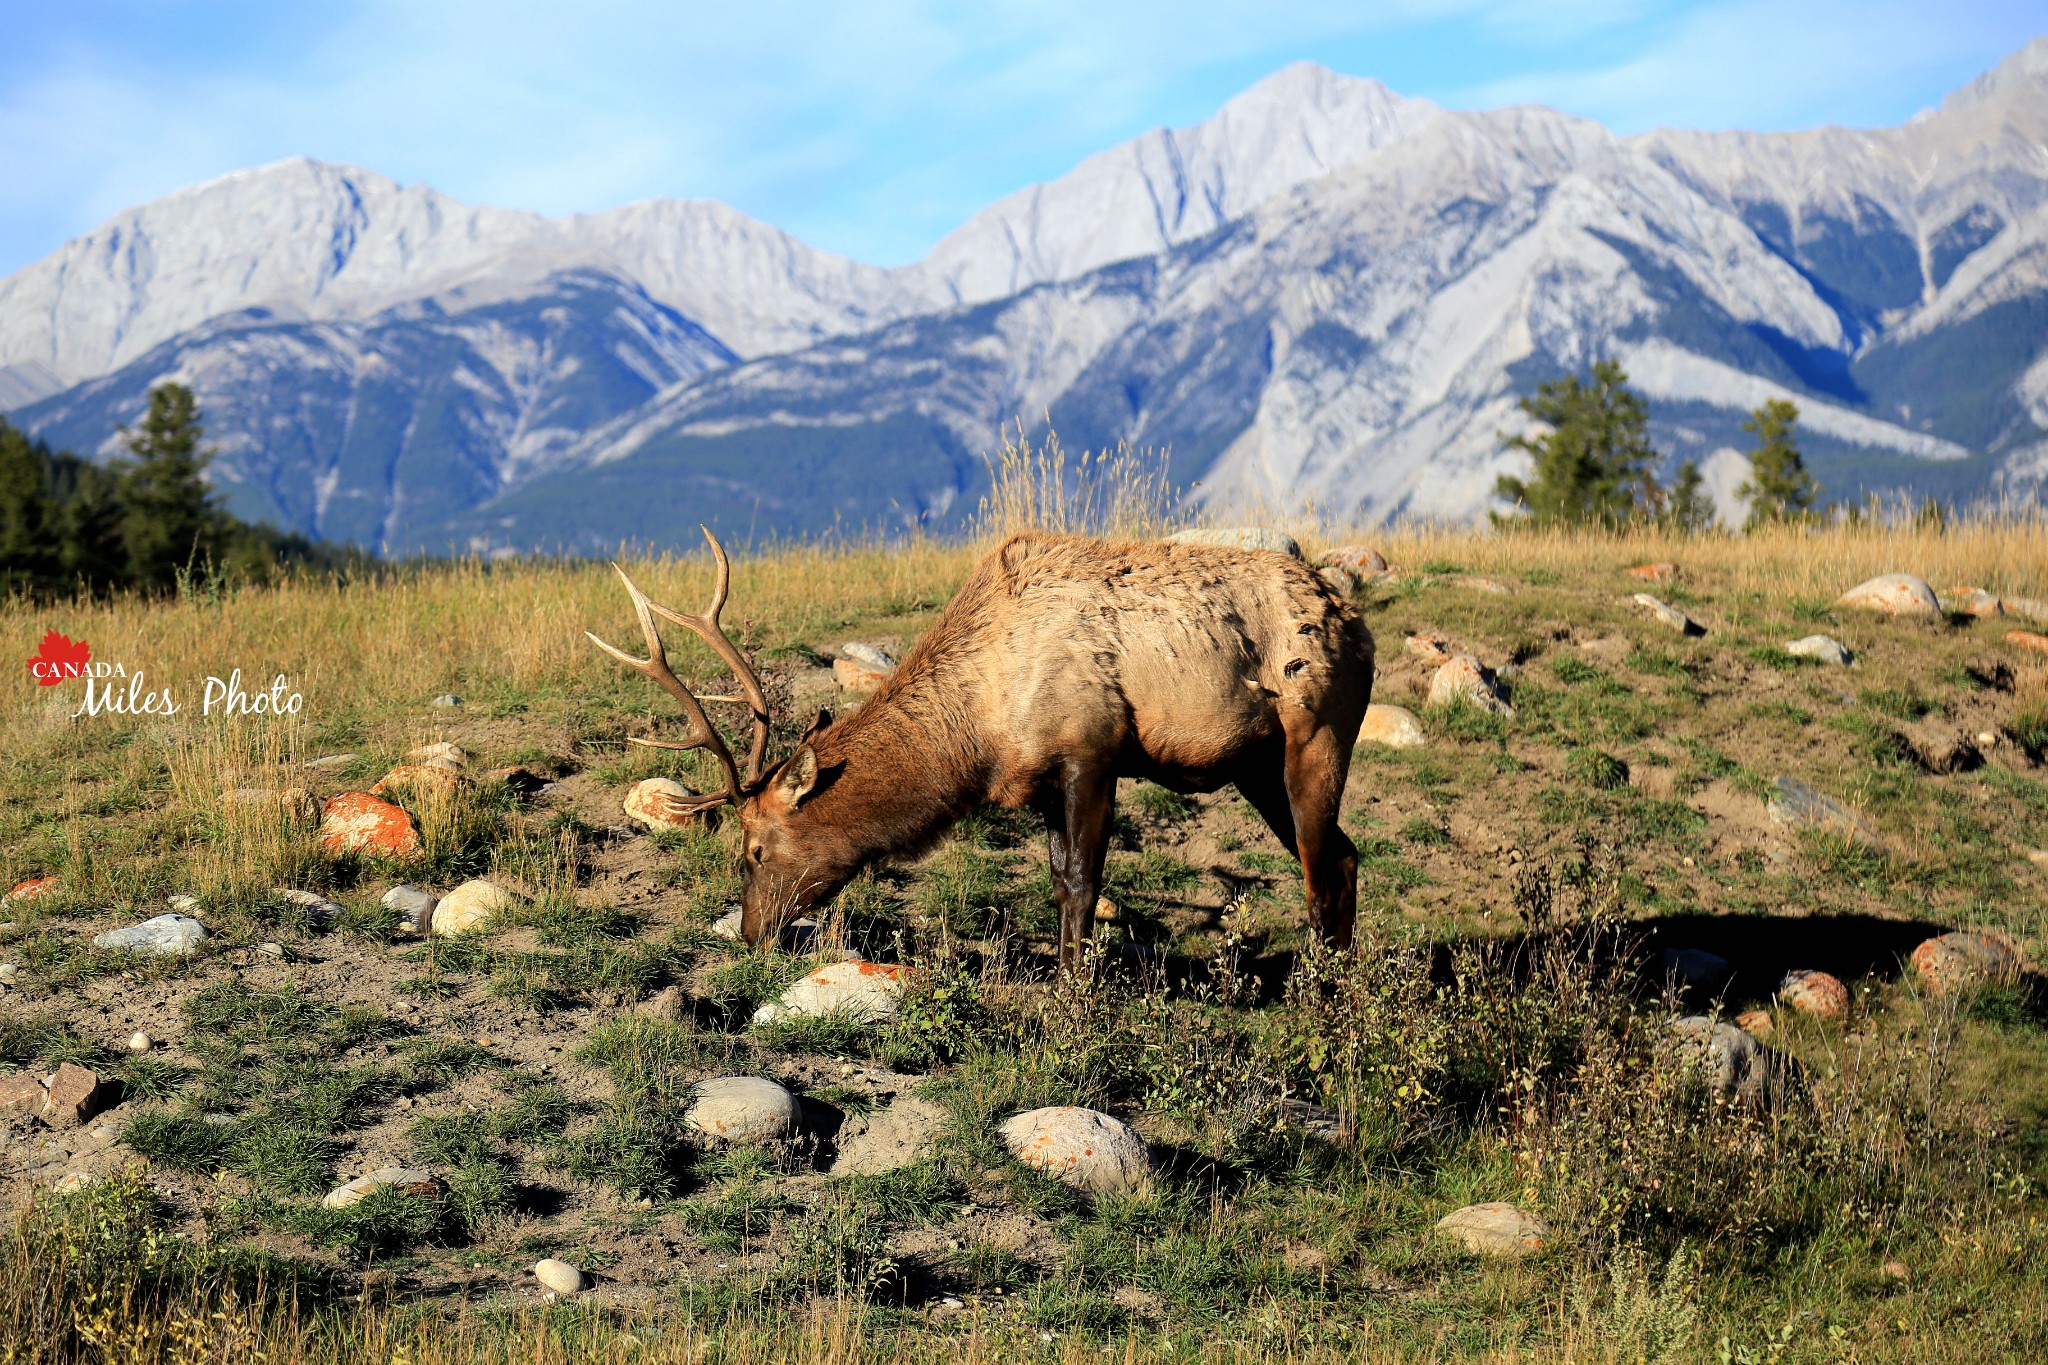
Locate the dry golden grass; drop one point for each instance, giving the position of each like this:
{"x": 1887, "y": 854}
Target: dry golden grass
{"x": 504, "y": 632}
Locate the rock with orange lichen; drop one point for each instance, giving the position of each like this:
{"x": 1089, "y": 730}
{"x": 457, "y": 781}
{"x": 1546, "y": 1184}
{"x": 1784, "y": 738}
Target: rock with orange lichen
{"x": 864, "y": 991}
{"x": 357, "y": 822}
{"x": 1083, "y": 1148}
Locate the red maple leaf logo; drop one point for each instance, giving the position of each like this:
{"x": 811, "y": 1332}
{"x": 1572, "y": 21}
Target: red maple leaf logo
{"x": 61, "y": 658}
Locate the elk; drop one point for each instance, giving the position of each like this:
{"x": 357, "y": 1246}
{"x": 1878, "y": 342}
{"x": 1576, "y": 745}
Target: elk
{"x": 1062, "y": 664}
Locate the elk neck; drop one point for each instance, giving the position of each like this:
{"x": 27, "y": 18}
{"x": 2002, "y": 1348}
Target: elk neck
{"x": 910, "y": 761}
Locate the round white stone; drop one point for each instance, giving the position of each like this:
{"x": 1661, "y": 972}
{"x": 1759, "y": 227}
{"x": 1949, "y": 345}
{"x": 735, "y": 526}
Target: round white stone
{"x": 472, "y": 905}
{"x": 745, "y": 1109}
{"x": 1080, "y": 1147}
{"x": 559, "y": 1276}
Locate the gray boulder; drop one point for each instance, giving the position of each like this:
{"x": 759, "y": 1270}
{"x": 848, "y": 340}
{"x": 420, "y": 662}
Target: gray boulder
{"x": 163, "y": 936}
{"x": 1239, "y": 538}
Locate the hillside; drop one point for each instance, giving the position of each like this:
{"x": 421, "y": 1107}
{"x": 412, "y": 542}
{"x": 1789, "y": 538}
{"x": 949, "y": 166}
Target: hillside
{"x": 1542, "y": 893}
{"x": 1325, "y": 296}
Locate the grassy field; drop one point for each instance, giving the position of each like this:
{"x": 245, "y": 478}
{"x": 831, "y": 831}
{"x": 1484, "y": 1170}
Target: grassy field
{"x": 1500, "y": 1034}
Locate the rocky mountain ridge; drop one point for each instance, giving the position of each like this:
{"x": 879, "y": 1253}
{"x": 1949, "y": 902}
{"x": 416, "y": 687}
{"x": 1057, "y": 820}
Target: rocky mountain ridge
{"x": 1324, "y": 296}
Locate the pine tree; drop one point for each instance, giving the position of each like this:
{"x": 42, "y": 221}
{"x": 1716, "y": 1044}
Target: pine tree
{"x": 169, "y": 522}
{"x": 89, "y": 520}
{"x": 1594, "y": 464}
{"x": 1690, "y": 509}
{"x": 29, "y": 556}
{"x": 1778, "y": 486}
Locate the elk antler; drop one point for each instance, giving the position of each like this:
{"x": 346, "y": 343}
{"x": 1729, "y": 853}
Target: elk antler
{"x": 702, "y": 734}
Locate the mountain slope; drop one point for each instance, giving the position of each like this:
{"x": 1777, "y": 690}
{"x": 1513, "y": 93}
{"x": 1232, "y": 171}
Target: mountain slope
{"x": 304, "y": 241}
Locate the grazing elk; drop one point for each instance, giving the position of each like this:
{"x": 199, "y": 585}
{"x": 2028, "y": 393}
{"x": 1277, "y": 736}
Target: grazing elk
{"x": 1062, "y": 664}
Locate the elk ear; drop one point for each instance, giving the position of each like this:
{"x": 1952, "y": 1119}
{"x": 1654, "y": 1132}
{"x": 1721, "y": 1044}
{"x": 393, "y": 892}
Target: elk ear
{"x": 798, "y": 776}
{"x": 818, "y": 722}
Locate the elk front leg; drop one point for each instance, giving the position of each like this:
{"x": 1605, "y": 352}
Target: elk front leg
{"x": 1077, "y": 821}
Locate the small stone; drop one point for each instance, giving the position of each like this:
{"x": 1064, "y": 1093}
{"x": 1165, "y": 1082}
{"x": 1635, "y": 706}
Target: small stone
{"x": 1341, "y": 581}
{"x": 441, "y": 750}
{"x": 1731, "y": 1059}
{"x": 163, "y": 936}
{"x": 446, "y": 699}
{"x": 1396, "y": 727}
{"x": 415, "y": 907}
{"x": 275, "y": 950}
{"x": 1958, "y": 961}
{"x": 319, "y": 909}
{"x": 1894, "y": 594}
{"x": 652, "y": 804}
{"x": 329, "y": 762}
{"x": 859, "y": 677}
{"x": 743, "y": 1109}
{"x": 1798, "y": 805}
{"x": 666, "y": 1004}
{"x": 1694, "y": 968}
{"x": 874, "y": 656}
{"x": 2033, "y": 608}
{"x": 139, "y": 1042}
{"x": 357, "y": 822}
{"x": 472, "y": 905}
{"x": 1815, "y": 993}
{"x": 1668, "y": 614}
{"x": 1663, "y": 571}
{"x": 1825, "y": 648}
{"x": 1431, "y": 649}
{"x": 889, "y": 1138}
{"x": 727, "y": 925}
{"x": 1757, "y": 1024}
{"x": 2027, "y": 639}
{"x": 29, "y": 890}
{"x": 22, "y": 1095}
{"x": 420, "y": 779}
{"x": 183, "y": 903}
{"x": 1359, "y": 559}
{"x": 1082, "y": 1148}
{"x": 74, "y": 1095}
{"x": 8, "y": 971}
{"x": 1942, "y": 748}
{"x": 1495, "y": 1229}
{"x": 559, "y": 1276}
{"x": 1973, "y": 602}
{"x": 1464, "y": 677}
{"x": 414, "y": 1182}
{"x": 1239, "y": 538}
{"x": 866, "y": 992}
{"x": 71, "y": 1182}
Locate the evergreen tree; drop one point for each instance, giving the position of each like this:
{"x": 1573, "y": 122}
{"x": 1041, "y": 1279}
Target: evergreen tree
{"x": 1778, "y": 486}
{"x": 1690, "y": 509}
{"x": 29, "y": 552}
{"x": 1594, "y": 463}
{"x": 169, "y": 521}
{"x": 91, "y": 550}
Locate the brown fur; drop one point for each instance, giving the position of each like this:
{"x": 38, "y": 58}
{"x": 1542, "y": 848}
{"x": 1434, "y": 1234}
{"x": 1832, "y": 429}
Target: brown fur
{"x": 1062, "y": 664}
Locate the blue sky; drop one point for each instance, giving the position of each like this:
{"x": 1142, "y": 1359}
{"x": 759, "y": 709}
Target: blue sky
{"x": 873, "y": 128}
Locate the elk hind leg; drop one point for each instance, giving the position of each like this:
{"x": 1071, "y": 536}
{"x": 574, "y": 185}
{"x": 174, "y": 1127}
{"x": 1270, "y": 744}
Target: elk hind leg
{"x": 1077, "y": 820}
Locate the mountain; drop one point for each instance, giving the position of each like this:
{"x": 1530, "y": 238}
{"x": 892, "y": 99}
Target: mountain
{"x": 1326, "y": 295}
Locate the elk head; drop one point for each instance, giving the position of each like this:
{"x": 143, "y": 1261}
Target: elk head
{"x": 792, "y": 864}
